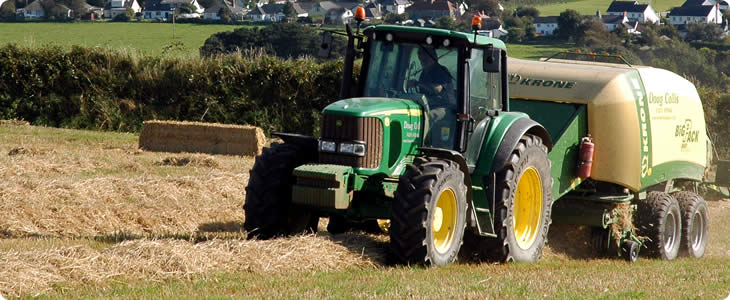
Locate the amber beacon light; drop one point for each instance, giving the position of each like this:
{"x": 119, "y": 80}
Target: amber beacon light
{"x": 476, "y": 23}
{"x": 360, "y": 14}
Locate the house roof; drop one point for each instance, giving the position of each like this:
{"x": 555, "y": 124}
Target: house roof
{"x": 305, "y": 5}
{"x": 612, "y": 19}
{"x": 256, "y": 11}
{"x": 156, "y": 5}
{"x": 394, "y": 2}
{"x": 626, "y": 6}
{"x": 432, "y": 5}
{"x": 491, "y": 23}
{"x": 348, "y": 5}
{"x": 272, "y": 8}
{"x": 691, "y": 11}
{"x": 298, "y": 8}
{"x": 127, "y": 3}
{"x": 697, "y": 3}
{"x": 545, "y": 20}
{"x": 327, "y": 5}
{"x": 35, "y": 5}
{"x": 221, "y": 4}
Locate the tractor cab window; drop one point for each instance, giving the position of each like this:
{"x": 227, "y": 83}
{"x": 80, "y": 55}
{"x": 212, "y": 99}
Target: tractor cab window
{"x": 420, "y": 73}
{"x": 483, "y": 88}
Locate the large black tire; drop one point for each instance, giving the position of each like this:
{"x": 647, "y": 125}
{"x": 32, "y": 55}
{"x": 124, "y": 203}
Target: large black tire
{"x": 695, "y": 223}
{"x": 523, "y": 202}
{"x": 429, "y": 213}
{"x": 268, "y": 194}
{"x": 659, "y": 219}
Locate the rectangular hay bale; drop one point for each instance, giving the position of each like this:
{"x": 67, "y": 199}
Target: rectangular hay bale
{"x": 213, "y": 138}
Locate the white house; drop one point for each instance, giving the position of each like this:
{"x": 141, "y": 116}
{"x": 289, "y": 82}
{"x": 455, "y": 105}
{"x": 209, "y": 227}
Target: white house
{"x": 643, "y": 13}
{"x": 695, "y": 14}
{"x": 34, "y": 10}
{"x": 545, "y": 25}
{"x": 338, "y": 16}
{"x": 211, "y": 13}
{"x": 395, "y": 6}
{"x": 611, "y": 22}
{"x": 164, "y": 9}
{"x": 116, "y": 7}
{"x": 321, "y": 8}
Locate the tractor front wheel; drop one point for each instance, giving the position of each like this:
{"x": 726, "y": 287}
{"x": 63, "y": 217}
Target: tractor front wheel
{"x": 523, "y": 202}
{"x": 429, "y": 213}
{"x": 268, "y": 207}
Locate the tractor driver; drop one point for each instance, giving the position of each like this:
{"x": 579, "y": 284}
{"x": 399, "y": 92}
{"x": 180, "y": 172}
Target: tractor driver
{"x": 435, "y": 83}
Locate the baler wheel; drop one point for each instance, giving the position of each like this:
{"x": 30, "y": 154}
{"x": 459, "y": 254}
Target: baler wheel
{"x": 659, "y": 219}
{"x": 695, "y": 223}
{"x": 630, "y": 250}
{"x": 268, "y": 194}
{"x": 524, "y": 202}
{"x": 429, "y": 213}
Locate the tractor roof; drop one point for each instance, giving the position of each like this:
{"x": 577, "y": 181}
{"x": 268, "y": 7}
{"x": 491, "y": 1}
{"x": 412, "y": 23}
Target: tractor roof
{"x": 468, "y": 37}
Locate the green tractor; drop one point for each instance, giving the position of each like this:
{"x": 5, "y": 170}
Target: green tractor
{"x": 430, "y": 140}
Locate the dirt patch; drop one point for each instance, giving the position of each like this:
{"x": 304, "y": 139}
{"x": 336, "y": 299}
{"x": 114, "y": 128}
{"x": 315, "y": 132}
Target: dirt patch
{"x": 14, "y": 123}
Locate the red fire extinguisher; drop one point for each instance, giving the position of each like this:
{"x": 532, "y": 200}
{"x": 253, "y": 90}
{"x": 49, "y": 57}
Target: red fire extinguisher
{"x": 585, "y": 157}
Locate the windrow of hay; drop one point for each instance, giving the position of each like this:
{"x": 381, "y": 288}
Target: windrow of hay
{"x": 191, "y": 160}
{"x": 100, "y": 206}
{"x": 173, "y": 136}
{"x": 34, "y": 271}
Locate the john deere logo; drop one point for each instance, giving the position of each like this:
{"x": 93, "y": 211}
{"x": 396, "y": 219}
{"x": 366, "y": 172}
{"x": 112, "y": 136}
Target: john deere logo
{"x": 338, "y": 123}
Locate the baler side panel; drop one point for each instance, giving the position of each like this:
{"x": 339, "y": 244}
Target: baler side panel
{"x": 567, "y": 123}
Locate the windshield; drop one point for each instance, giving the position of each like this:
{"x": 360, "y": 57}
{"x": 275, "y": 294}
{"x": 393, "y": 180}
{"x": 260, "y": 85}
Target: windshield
{"x": 397, "y": 68}
{"x": 420, "y": 73}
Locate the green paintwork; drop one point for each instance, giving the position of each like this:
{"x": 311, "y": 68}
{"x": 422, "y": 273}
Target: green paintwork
{"x": 495, "y": 133}
{"x": 323, "y": 186}
{"x": 673, "y": 170}
{"x": 368, "y": 107}
{"x": 402, "y": 123}
{"x": 567, "y": 124}
{"x": 481, "y": 40}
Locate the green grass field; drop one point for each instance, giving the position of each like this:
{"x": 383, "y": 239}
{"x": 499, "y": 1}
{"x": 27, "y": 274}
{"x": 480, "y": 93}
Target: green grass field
{"x": 142, "y": 38}
{"x": 155, "y": 38}
{"x": 589, "y": 7}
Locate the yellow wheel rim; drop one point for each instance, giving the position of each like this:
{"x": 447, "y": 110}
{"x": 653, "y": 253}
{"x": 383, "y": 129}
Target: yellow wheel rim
{"x": 527, "y": 208}
{"x": 443, "y": 225}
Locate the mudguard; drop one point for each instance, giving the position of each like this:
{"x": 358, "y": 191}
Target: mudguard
{"x": 518, "y": 129}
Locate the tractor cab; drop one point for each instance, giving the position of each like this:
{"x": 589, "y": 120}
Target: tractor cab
{"x": 455, "y": 77}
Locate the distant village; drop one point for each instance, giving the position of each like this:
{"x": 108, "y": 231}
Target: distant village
{"x": 631, "y": 15}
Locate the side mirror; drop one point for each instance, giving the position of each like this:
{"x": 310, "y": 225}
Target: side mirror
{"x": 326, "y": 47}
{"x": 492, "y": 61}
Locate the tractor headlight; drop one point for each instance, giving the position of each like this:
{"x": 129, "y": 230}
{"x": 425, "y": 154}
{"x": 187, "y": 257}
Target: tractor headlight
{"x": 352, "y": 148}
{"x": 327, "y": 146}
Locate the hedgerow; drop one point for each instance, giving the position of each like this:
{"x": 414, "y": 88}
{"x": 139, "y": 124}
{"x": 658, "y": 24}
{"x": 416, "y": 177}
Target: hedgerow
{"x": 92, "y": 88}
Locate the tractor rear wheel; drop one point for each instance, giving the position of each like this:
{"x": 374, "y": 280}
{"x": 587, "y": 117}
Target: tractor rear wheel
{"x": 429, "y": 213}
{"x": 695, "y": 223}
{"x": 659, "y": 219}
{"x": 523, "y": 202}
{"x": 268, "y": 207}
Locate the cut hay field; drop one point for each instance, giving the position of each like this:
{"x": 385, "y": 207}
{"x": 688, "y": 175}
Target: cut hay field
{"x": 85, "y": 214}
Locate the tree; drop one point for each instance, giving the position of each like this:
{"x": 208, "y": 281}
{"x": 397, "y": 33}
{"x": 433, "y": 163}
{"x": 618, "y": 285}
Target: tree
{"x": 7, "y": 10}
{"x": 392, "y": 18}
{"x": 225, "y": 14}
{"x": 488, "y": 7}
{"x": 704, "y": 32}
{"x": 79, "y": 8}
{"x": 446, "y": 22}
{"x": 569, "y": 23}
{"x": 188, "y": 8}
{"x": 527, "y": 12}
{"x": 282, "y": 39}
{"x": 125, "y": 17}
{"x": 288, "y": 10}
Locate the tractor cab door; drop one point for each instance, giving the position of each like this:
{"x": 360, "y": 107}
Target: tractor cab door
{"x": 484, "y": 95}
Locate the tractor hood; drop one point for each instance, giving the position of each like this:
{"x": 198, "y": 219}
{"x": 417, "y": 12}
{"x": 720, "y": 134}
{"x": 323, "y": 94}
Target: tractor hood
{"x": 372, "y": 107}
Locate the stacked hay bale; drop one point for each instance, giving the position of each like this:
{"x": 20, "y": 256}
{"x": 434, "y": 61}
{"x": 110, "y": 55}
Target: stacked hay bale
{"x": 174, "y": 136}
